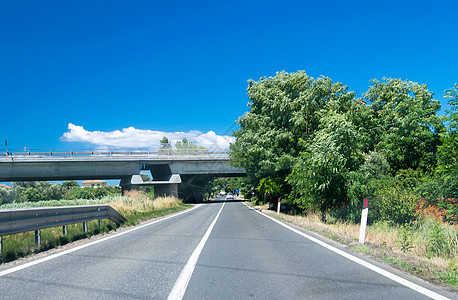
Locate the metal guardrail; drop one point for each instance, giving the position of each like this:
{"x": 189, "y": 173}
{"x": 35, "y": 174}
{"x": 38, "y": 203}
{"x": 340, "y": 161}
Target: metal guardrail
{"x": 14, "y": 221}
{"x": 28, "y": 219}
{"x": 98, "y": 152}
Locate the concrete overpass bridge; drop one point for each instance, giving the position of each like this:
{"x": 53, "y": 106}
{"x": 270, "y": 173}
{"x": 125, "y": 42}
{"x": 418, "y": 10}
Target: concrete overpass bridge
{"x": 174, "y": 173}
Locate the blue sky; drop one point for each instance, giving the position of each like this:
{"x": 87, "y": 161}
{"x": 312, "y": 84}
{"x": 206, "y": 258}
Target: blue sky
{"x": 183, "y": 66}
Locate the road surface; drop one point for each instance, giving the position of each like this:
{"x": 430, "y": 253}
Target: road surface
{"x": 218, "y": 250}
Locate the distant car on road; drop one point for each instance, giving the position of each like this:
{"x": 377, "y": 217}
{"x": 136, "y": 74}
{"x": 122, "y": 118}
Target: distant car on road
{"x": 229, "y": 196}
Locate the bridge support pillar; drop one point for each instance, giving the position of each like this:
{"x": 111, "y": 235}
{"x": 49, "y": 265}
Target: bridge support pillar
{"x": 129, "y": 183}
{"x": 167, "y": 188}
{"x": 161, "y": 188}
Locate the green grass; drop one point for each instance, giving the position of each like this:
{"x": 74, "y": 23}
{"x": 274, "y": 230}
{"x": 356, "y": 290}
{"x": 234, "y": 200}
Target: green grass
{"x": 361, "y": 249}
{"x": 407, "y": 266}
{"x": 23, "y": 244}
{"x": 450, "y": 275}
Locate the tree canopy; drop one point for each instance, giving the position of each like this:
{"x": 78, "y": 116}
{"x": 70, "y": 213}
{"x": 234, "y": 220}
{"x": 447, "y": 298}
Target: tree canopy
{"x": 320, "y": 145}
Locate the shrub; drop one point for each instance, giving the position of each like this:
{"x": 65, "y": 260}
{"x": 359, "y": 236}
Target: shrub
{"x": 395, "y": 205}
{"x": 442, "y": 241}
{"x": 31, "y": 194}
{"x": 405, "y": 243}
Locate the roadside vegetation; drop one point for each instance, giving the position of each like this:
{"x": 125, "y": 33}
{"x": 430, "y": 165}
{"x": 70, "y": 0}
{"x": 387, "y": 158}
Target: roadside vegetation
{"x": 135, "y": 206}
{"x": 322, "y": 150}
{"x": 36, "y": 191}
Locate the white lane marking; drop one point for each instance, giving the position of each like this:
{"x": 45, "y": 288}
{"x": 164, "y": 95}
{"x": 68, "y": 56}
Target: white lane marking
{"x": 111, "y": 236}
{"x": 182, "y": 282}
{"x": 363, "y": 263}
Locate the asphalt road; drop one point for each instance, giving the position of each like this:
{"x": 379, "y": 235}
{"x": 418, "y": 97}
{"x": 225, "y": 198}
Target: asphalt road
{"x": 219, "y": 250}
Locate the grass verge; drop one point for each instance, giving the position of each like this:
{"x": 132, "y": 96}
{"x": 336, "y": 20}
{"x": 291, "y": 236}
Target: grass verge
{"x": 135, "y": 206}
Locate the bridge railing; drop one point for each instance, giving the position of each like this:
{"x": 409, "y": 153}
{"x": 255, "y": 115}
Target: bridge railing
{"x": 14, "y": 221}
{"x": 102, "y": 152}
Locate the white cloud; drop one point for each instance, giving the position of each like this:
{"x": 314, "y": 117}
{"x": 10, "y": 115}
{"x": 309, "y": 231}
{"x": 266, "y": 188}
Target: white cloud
{"x": 139, "y": 138}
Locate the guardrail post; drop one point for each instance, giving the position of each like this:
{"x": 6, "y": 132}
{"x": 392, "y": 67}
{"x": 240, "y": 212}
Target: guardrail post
{"x": 38, "y": 237}
{"x": 85, "y": 227}
{"x": 65, "y": 230}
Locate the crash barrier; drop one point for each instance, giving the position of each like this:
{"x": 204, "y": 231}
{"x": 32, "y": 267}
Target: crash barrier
{"x": 14, "y": 221}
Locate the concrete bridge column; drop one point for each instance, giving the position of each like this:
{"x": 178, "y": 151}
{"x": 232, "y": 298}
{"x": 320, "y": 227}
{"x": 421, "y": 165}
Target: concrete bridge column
{"x": 161, "y": 188}
{"x": 166, "y": 190}
{"x": 129, "y": 183}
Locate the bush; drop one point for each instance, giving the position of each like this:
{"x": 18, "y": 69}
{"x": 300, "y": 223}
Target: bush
{"x": 395, "y": 205}
{"x": 31, "y": 194}
{"x": 442, "y": 241}
{"x": 81, "y": 193}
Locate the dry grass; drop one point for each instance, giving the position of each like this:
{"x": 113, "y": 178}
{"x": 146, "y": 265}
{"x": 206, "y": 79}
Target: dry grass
{"x": 136, "y": 201}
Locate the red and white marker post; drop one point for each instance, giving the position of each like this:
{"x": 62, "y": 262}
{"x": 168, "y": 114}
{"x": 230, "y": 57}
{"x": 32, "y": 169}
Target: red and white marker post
{"x": 362, "y": 229}
{"x": 278, "y": 207}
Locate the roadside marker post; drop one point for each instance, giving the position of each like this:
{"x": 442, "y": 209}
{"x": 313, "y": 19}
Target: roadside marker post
{"x": 278, "y": 207}
{"x": 362, "y": 229}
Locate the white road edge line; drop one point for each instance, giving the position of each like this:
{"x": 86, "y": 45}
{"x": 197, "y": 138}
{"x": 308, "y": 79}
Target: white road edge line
{"x": 182, "y": 282}
{"x": 85, "y": 245}
{"x": 363, "y": 263}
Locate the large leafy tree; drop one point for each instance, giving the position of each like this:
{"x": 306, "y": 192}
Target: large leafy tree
{"x": 284, "y": 115}
{"x": 31, "y": 194}
{"x": 445, "y": 182}
{"x": 69, "y": 184}
{"x": 319, "y": 178}
{"x": 407, "y": 126}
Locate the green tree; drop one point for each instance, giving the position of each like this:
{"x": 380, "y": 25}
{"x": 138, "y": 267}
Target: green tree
{"x": 375, "y": 166}
{"x": 284, "y": 116}
{"x": 448, "y": 151}
{"x": 407, "y": 126}
{"x": 53, "y": 191}
{"x": 81, "y": 193}
{"x": 266, "y": 142}
{"x": 145, "y": 177}
{"x": 269, "y": 188}
{"x": 9, "y": 195}
{"x": 49, "y": 191}
{"x": 187, "y": 147}
{"x": 294, "y": 118}
{"x": 69, "y": 184}
{"x": 319, "y": 178}
{"x": 165, "y": 147}
{"x": 31, "y": 194}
